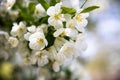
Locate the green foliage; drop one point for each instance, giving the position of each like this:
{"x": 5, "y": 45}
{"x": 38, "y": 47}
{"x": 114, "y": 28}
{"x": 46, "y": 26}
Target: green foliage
{"x": 89, "y": 9}
{"x": 66, "y": 10}
{"x": 32, "y": 7}
{"x": 53, "y": 2}
{"x": 44, "y": 4}
{"x": 50, "y": 38}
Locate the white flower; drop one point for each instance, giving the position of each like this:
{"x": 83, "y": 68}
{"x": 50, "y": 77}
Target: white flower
{"x": 66, "y": 32}
{"x": 18, "y": 30}
{"x": 81, "y": 21}
{"x": 14, "y": 14}
{"x": 59, "y": 32}
{"x": 10, "y": 4}
{"x": 80, "y": 43}
{"x": 59, "y": 41}
{"x": 56, "y": 66}
{"x": 13, "y": 41}
{"x": 37, "y": 41}
{"x": 32, "y": 29}
{"x": 52, "y": 53}
{"x": 41, "y": 57}
{"x": 56, "y": 18}
{"x": 39, "y": 11}
{"x": 68, "y": 50}
{"x": 71, "y": 32}
{"x": 70, "y": 24}
{"x": 42, "y": 27}
{"x": 27, "y": 35}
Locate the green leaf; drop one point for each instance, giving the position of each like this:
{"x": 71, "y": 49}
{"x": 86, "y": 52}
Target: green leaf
{"x": 58, "y": 1}
{"x": 26, "y": 17}
{"x": 50, "y": 38}
{"x": 52, "y": 2}
{"x": 44, "y": 4}
{"x": 89, "y": 9}
{"x": 32, "y": 7}
{"x": 66, "y": 10}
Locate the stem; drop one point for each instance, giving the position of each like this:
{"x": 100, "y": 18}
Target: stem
{"x": 83, "y": 3}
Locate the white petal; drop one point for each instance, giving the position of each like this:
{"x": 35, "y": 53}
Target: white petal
{"x": 51, "y": 11}
{"x": 31, "y": 29}
{"x": 13, "y": 41}
{"x": 57, "y": 7}
{"x": 35, "y": 45}
{"x": 59, "y": 24}
{"x": 71, "y": 32}
{"x": 27, "y": 35}
{"x": 67, "y": 17}
{"x": 56, "y": 23}
{"x": 70, "y": 23}
{"x": 85, "y": 15}
{"x": 58, "y": 32}
{"x": 56, "y": 66}
{"x": 36, "y": 35}
{"x": 81, "y": 29}
{"x": 51, "y": 21}
{"x": 42, "y": 61}
{"x": 83, "y": 23}
{"x": 45, "y": 41}
{"x": 10, "y": 4}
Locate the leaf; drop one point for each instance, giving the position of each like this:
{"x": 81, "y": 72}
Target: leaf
{"x": 66, "y": 10}
{"x": 52, "y": 2}
{"x": 58, "y": 1}
{"x": 50, "y": 38}
{"x": 32, "y": 7}
{"x": 44, "y": 4}
{"x": 26, "y": 17}
{"x": 89, "y": 9}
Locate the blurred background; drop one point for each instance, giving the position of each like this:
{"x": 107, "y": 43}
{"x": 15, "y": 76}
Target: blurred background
{"x": 101, "y": 60}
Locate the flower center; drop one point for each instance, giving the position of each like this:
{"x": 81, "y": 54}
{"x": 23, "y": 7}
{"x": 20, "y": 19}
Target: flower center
{"x": 13, "y": 42}
{"x": 38, "y": 11}
{"x": 71, "y": 25}
{"x": 39, "y": 40}
{"x": 57, "y": 16}
{"x": 20, "y": 29}
{"x": 67, "y": 50}
{"x": 63, "y": 33}
{"x": 79, "y": 18}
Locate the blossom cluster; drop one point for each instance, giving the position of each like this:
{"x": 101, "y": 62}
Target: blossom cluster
{"x": 61, "y": 38}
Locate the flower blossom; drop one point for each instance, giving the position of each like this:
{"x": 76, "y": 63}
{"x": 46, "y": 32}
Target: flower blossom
{"x": 80, "y": 20}
{"x": 10, "y": 3}
{"x": 37, "y": 41}
{"x": 18, "y": 30}
{"x": 39, "y": 11}
{"x": 56, "y": 18}
{"x": 13, "y": 41}
{"x": 41, "y": 58}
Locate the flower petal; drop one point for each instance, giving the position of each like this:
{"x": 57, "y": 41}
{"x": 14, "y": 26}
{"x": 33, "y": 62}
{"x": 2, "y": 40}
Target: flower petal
{"x": 51, "y": 11}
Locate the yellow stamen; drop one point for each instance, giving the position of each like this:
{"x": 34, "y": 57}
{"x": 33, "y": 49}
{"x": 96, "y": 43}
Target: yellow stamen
{"x": 38, "y": 11}
{"x": 20, "y": 29}
{"x": 79, "y": 18}
{"x": 67, "y": 50}
{"x": 71, "y": 25}
{"x": 57, "y": 16}
{"x": 63, "y": 33}
{"x": 40, "y": 40}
